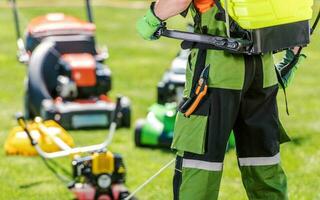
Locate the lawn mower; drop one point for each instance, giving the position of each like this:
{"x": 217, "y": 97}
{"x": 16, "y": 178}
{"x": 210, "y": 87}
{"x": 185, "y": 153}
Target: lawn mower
{"x": 67, "y": 80}
{"x": 157, "y": 129}
{"x": 97, "y": 173}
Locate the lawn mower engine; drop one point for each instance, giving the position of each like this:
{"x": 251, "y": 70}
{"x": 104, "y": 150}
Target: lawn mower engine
{"x": 100, "y": 176}
{"x": 67, "y": 80}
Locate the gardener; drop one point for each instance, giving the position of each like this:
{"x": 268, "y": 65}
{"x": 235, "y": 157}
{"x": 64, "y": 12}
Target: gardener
{"x": 241, "y": 96}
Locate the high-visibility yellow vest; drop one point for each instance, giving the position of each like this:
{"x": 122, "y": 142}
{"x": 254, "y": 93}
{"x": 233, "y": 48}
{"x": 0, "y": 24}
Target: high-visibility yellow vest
{"x": 254, "y": 14}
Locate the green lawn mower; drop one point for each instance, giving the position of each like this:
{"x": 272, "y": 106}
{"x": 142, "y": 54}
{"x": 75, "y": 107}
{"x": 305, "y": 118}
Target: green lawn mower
{"x": 156, "y": 130}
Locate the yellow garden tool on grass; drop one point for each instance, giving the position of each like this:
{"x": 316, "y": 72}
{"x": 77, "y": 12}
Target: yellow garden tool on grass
{"x": 96, "y": 173}
{"x": 50, "y": 136}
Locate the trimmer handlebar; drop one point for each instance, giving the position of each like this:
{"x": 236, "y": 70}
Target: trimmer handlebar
{"x": 87, "y": 149}
{"x": 233, "y": 45}
{"x": 117, "y": 110}
{"x": 22, "y": 123}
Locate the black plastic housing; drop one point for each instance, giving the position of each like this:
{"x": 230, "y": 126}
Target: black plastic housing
{"x": 277, "y": 38}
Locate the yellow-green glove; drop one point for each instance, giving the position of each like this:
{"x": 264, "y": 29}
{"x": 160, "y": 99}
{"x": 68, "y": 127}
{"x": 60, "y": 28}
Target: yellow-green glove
{"x": 148, "y": 25}
{"x": 288, "y": 77}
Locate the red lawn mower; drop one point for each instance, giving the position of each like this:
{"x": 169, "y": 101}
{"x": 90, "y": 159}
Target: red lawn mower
{"x": 67, "y": 79}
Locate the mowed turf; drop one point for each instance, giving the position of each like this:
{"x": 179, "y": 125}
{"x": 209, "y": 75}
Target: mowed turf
{"x": 137, "y": 66}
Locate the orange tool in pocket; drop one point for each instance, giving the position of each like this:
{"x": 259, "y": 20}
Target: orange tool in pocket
{"x": 202, "y": 88}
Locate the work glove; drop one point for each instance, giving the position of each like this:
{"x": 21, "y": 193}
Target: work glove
{"x": 148, "y": 25}
{"x": 289, "y": 57}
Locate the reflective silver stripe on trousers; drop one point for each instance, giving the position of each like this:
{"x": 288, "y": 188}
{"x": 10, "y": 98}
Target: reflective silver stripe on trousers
{"x": 198, "y": 164}
{"x": 260, "y": 161}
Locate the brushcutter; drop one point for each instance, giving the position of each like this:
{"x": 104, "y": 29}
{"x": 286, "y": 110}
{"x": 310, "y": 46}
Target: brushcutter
{"x": 98, "y": 174}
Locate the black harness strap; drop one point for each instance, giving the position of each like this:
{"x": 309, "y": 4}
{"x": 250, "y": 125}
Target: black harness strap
{"x": 315, "y": 23}
{"x": 200, "y": 65}
{"x": 235, "y": 30}
{"x": 221, "y": 15}
{"x": 185, "y": 12}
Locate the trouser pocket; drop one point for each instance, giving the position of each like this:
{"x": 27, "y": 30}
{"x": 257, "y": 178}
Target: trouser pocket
{"x": 190, "y": 132}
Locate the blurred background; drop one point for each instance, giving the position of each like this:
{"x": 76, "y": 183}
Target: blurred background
{"x": 137, "y": 66}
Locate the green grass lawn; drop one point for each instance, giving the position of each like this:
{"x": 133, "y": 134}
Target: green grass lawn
{"x": 137, "y": 66}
